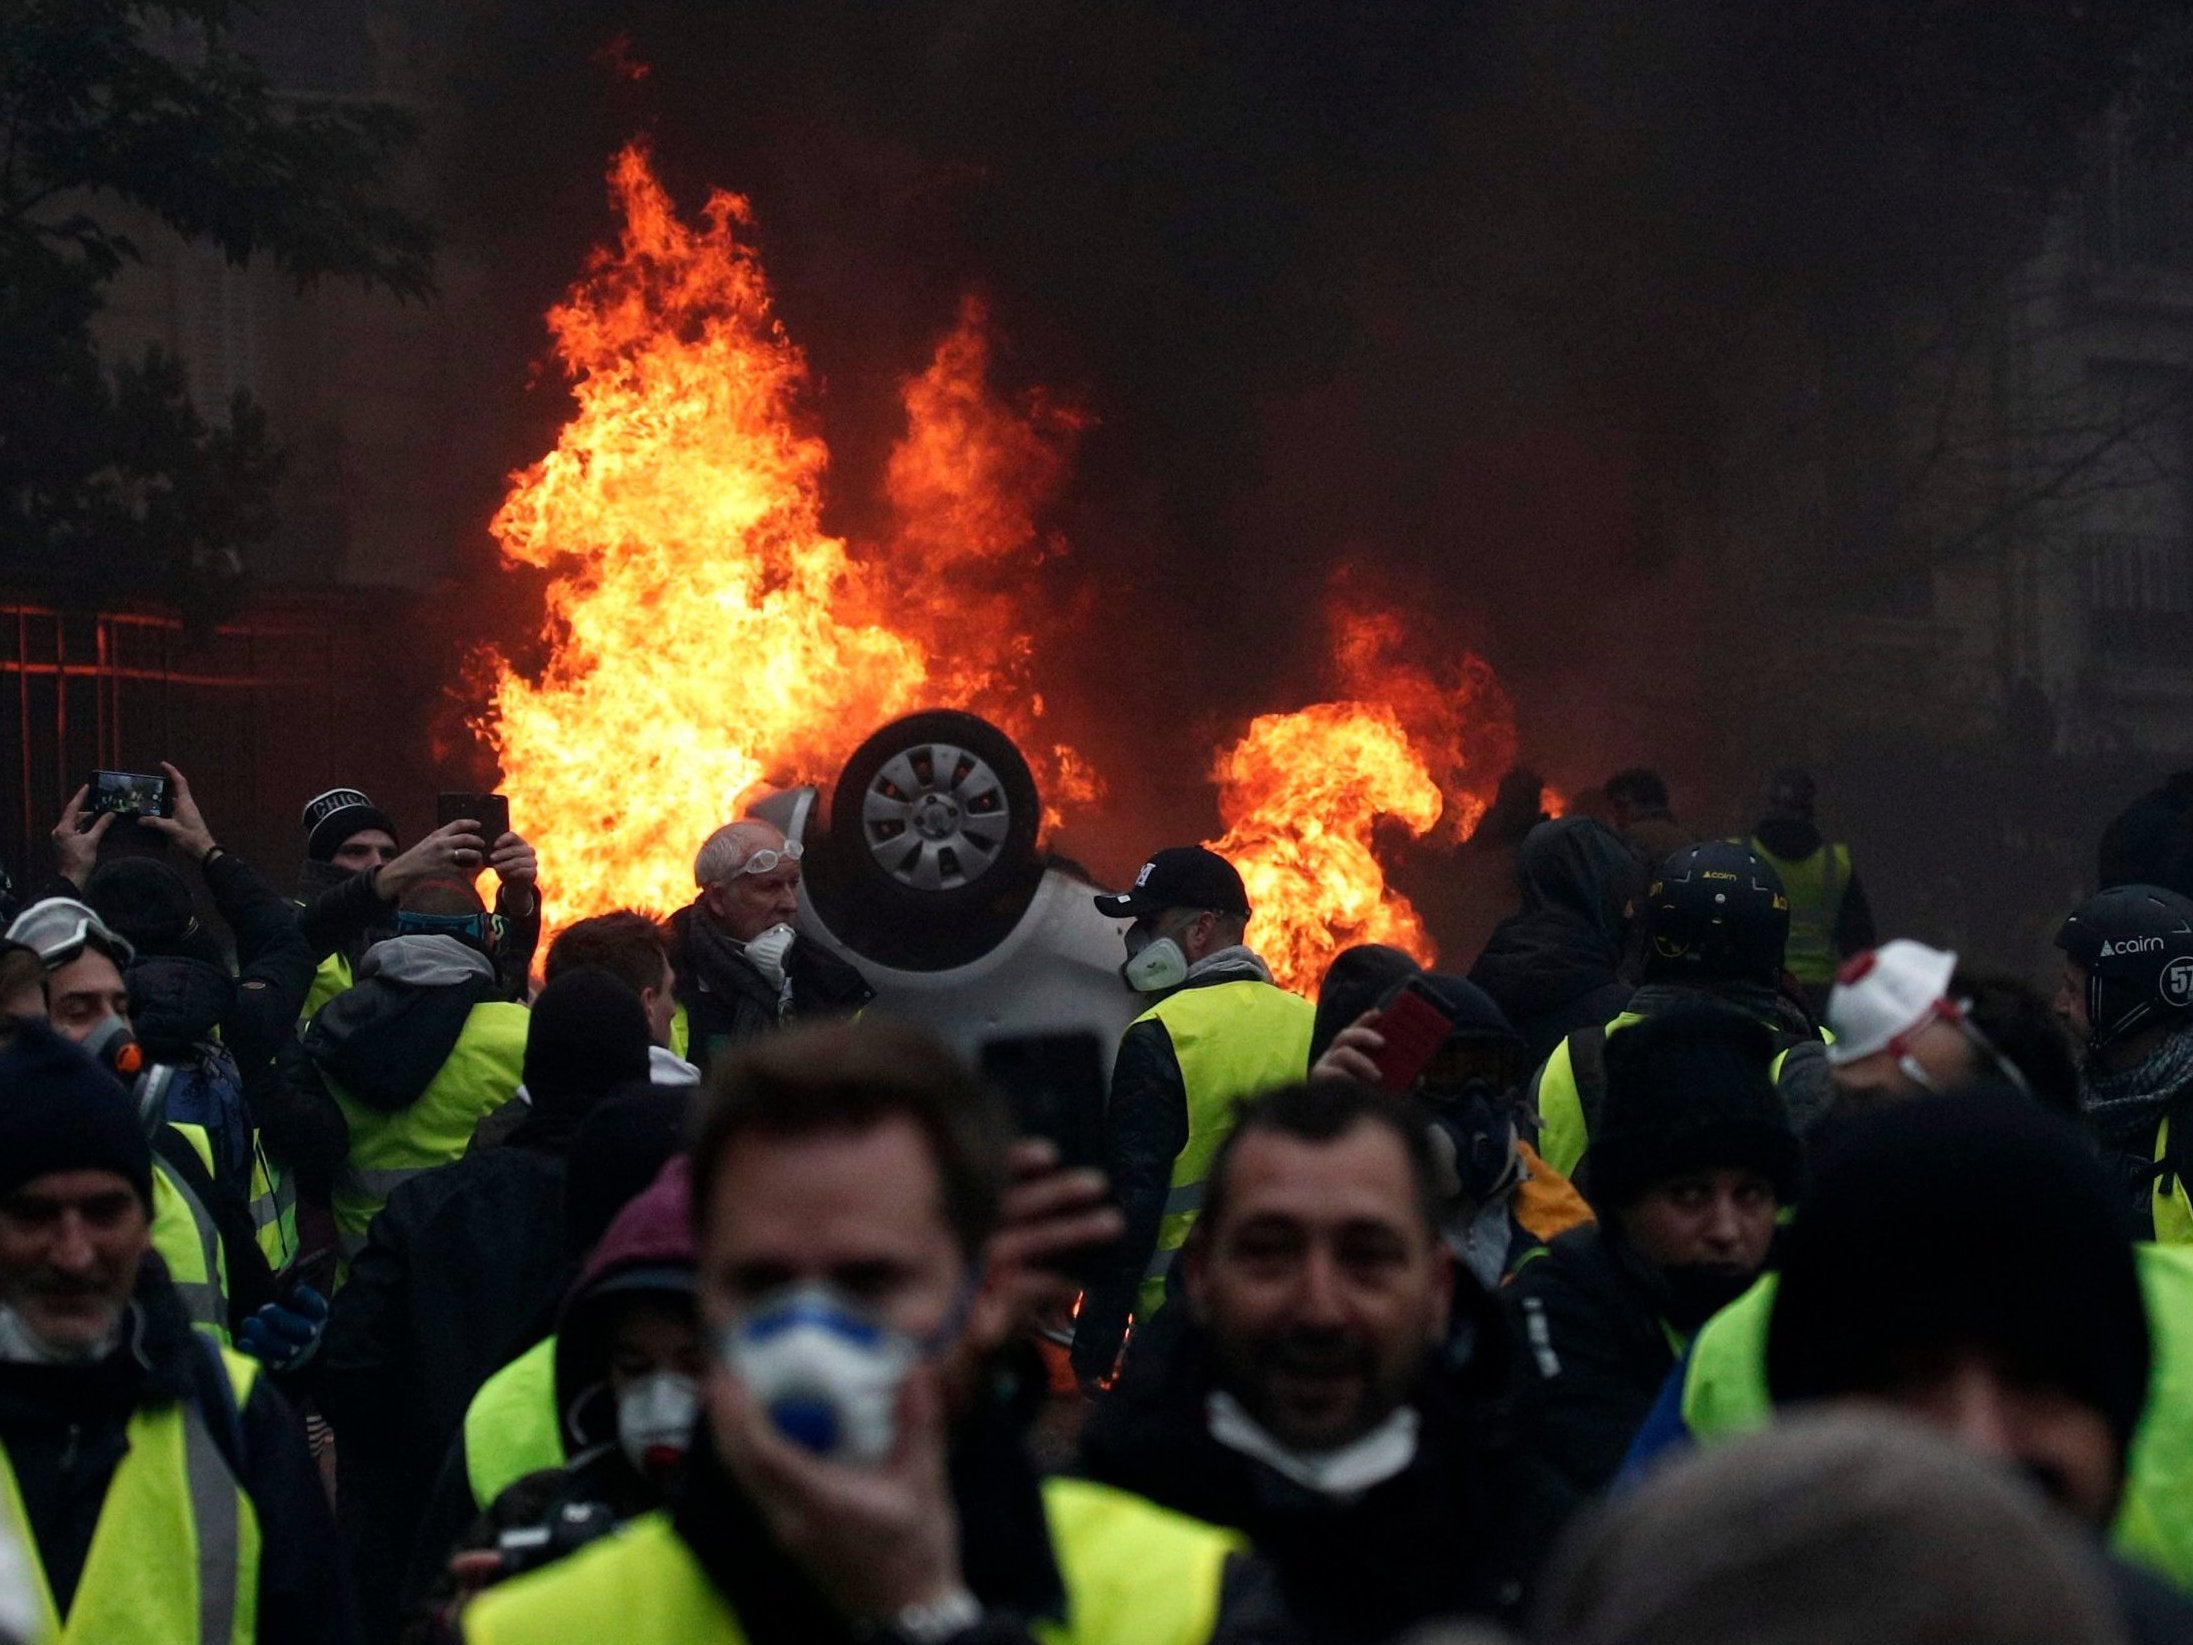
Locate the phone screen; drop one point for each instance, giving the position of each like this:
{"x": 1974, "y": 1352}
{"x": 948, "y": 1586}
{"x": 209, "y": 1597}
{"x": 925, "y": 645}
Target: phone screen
{"x": 128, "y": 794}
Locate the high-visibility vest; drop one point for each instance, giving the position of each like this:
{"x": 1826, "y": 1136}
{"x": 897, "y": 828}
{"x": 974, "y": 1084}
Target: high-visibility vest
{"x": 1815, "y": 886}
{"x": 512, "y": 1427}
{"x": 332, "y": 977}
{"x": 2171, "y": 1207}
{"x": 1564, "y": 1129}
{"x": 1134, "y": 1574}
{"x": 1725, "y": 1394}
{"x": 273, "y": 1208}
{"x": 681, "y": 1031}
{"x": 174, "y": 1558}
{"x": 189, "y": 1243}
{"x": 390, "y": 1147}
{"x": 1233, "y": 1041}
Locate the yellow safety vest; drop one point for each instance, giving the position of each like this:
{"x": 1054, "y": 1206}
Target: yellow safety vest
{"x": 273, "y": 1208}
{"x": 184, "y": 1234}
{"x": 512, "y": 1427}
{"x": 1725, "y": 1394}
{"x": 332, "y": 977}
{"x": 1563, "y": 1131}
{"x": 1233, "y": 1041}
{"x": 1815, "y": 886}
{"x": 681, "y": 1032}
{"x": 2172, "y": 1207}
{"x": 388, "y": 1148}
{"x": 174, "y": 1558}
{"x": 1134, "y": 1573}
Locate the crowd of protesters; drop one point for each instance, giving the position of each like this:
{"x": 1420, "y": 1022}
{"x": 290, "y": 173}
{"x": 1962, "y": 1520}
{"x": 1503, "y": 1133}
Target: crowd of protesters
{"x": 1694, "y": 1267}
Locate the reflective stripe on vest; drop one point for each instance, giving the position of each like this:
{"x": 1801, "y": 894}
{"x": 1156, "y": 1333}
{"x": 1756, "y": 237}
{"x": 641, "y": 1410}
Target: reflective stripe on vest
{"x": 512, "y": 1427}
{"x": 2171, "y": 1208}
{"x": 1134, "y": 1574}
{"x": 388, "y": 1149}
{"x": 174, "y": 1556}
{"x": 184, "y": 1234}
{"x": 1815, "y": 886}
{"x": 273, "y": 1208}
{"x": 1725, "y": 1394}
{"x": 1233, "y": 1041}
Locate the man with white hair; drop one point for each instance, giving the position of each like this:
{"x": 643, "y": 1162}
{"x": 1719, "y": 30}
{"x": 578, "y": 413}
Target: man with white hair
{"x": 741, "y": 968}
{"x": 1908, "y": 1021}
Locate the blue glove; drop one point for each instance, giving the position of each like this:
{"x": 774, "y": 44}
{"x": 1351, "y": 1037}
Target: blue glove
{"x": 283, "y": 1336}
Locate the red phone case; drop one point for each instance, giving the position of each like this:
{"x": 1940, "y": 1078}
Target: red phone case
{"x": 1414, "y": 1029}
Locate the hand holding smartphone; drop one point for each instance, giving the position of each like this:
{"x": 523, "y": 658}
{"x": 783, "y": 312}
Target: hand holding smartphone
{"x": 1414, "y": 1027}
{"x": 128, "y": 794}
{"x": 490, "y": 811}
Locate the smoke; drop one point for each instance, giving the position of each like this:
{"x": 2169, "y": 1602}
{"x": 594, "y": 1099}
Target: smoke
{"x": 1444, "y": 292}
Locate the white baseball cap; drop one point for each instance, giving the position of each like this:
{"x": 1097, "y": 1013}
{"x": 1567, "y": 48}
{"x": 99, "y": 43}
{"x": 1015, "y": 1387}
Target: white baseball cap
{"x": 1885, "y": 992}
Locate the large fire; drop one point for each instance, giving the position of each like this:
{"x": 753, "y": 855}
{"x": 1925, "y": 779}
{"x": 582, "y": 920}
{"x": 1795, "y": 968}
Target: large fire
{"x": 1302, "y": 794}
{"x": 706, "y": 637}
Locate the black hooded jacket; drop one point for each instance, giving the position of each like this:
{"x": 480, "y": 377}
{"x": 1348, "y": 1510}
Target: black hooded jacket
{"x": 64, "y": 1432}
{"x": 1460, "y": 1531}
{"x": 1553, "y": 966}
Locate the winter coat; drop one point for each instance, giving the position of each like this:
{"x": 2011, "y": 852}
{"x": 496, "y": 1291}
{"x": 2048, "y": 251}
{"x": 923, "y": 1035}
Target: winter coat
{"x": 458, "y": 1275}
{"x": 1460, "y": 1531}
{"x": 1596, "y": 1350}
{"x": 350, "y": 916}
{"x": 725, "y": 1000}
{"x": 63, "y": 1429}
{"x": 1552, "y": 967}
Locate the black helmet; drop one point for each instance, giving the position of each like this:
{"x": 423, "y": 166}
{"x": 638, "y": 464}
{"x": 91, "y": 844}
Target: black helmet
{"x": 1716, "y": 912}
{"x": 2135, "y": 943}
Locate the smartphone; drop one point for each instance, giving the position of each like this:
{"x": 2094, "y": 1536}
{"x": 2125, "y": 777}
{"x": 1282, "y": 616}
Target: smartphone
{"x": 128, "y": 794}
{"x": 1415, "y": 1026}
{"x": 1056, "y": 1085}
{"x": 490, "y": 811}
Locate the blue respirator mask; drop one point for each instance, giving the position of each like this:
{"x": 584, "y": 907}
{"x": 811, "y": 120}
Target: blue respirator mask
{"x": 476, "y": 929}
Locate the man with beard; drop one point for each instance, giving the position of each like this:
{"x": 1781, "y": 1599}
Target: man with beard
{"x": 1693, "y": 1159}
{"x": 1306, "y": 1401}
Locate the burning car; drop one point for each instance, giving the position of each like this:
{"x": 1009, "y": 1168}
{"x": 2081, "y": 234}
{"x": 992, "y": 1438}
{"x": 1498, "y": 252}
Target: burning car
{"x": 921, "y": 868}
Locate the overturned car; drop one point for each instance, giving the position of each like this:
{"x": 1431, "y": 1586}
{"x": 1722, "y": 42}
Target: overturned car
{"x": 921, "y": 868}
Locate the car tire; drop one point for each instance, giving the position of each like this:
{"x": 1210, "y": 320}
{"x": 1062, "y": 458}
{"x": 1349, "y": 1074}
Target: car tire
{"x": 932, "y": 857}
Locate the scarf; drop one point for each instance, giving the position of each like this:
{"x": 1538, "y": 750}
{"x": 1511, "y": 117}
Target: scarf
{"x": 2125, "y": 1108}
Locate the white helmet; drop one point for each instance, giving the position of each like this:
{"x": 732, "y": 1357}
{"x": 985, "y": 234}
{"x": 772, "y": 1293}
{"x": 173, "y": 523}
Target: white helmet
{"x": 1886, "y": 993}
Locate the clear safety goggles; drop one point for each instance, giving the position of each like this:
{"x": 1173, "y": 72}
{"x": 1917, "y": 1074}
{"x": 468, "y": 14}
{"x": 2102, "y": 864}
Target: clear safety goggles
{"x": 60, "y": 928}
{"x": 762, "y": 861}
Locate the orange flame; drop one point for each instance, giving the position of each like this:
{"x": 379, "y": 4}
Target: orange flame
{"x": 1302, "y": 794}
{"x": 706, "y": 637}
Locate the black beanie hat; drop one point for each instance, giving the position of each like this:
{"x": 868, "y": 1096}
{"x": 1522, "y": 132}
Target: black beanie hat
{"x": 60, "y": 1111}
{"x": 149, "y": 903}
{"x": 333, "y": 817}
{"x": 1958, "y": 1221}
{"x": 619, "y": 1148}
{"x": 588, "y": 1035}
{"x": 1353, "y": 983}
{"x": 1689, "y": 1089}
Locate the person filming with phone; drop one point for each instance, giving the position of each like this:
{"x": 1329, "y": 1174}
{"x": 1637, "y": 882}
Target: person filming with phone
{"x": 855, "y": 1472}
{"x": 355, "y": 877}
{"x": 1217, "y": 1031}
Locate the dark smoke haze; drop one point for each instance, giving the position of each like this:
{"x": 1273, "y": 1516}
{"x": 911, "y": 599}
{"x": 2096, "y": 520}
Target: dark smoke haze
{"x": 1450, "y": 292}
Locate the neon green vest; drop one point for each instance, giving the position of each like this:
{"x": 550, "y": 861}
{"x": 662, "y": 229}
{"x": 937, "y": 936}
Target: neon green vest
{"x": 512, "y": 1427}
{"x": 681, "y": 1032}
{"x": 1135, "y": 1574}
{"x": 1815, "y": 886}
{"x": 2172, "y": 1209}
{"x": 174, "y": 1558}
{"x": 1563, "y": 1131}
{"x": 184, "y": 1234}
{"x": 273, "y": 1208}
{"x": 388, "y": 1149}
{"x": 330, "y": 979}
{"x": 1234, "y": 1041}
{"x": 1725, "y": 1394}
